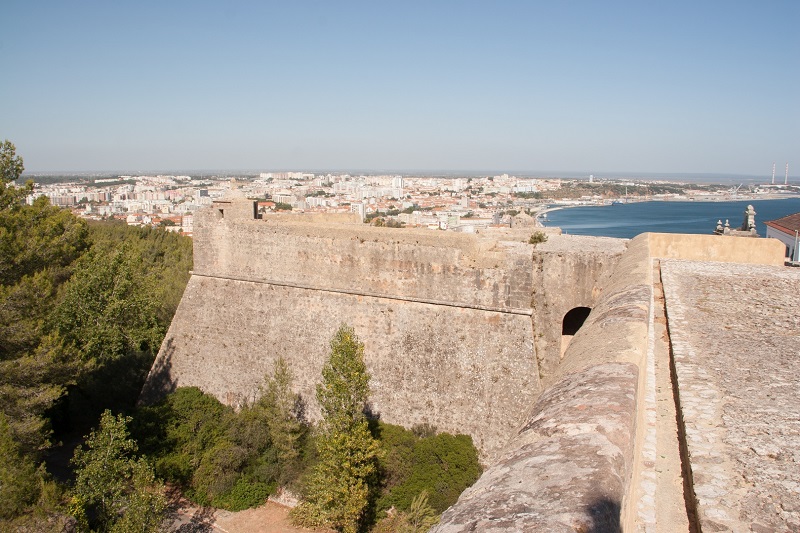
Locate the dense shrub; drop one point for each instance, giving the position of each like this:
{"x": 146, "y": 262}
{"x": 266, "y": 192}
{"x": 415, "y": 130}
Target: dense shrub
{"x": 441, "y": 465}
{"x": 244, "y": 495}
{"x": 231, "y": 460}
{"x": 188, "y": 435}
{"x": 220, "y": 457}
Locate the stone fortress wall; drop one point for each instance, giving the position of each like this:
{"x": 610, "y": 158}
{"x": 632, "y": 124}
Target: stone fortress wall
{"x": 462, "y": 332}
{"x": 569, "y": 466}
{"x": 446, "y": 318}
{"x": 583, "y": 459}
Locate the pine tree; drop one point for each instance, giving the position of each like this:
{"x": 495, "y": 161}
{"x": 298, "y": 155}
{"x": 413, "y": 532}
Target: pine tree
{"x": 119, "y": 491}
{"x": 19, "y": 479}
{"x": 338, "y": 489}
{"x": 279, "y": 403}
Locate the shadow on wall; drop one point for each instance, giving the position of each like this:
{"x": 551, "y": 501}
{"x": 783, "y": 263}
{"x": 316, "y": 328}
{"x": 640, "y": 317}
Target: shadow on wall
{"x": 605, "y": 514}
{"x": 158, "y": 383}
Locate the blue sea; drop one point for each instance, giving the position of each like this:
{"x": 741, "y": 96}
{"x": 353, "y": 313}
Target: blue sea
{"x": 628, "y": 220}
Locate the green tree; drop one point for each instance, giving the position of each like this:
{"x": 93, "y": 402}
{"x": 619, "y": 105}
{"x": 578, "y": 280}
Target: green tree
{"x": 164, "y": 256}
{"x": 19, "y": 478}
{"x": 285, "y": 430}
{"x": 38, "y": 245}
{"x": 116, "y": 490}
{"x": 11, "y": 166}
{"x": 341, "y": 483}
{"x": 11, "y": 169}
{"x": 108, "y": 316}
{"x": 108, "y": 309}
{"x": 29, "y": 386}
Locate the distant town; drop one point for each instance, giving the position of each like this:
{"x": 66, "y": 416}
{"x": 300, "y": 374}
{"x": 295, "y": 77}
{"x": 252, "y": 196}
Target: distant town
{"x": 444, "y": 203}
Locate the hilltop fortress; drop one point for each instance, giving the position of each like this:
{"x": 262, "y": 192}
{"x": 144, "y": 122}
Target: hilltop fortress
{"x": 557, "y": 358}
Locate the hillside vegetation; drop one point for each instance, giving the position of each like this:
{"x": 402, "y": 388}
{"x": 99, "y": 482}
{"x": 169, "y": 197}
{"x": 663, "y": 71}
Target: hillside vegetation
{"x": 83, "y": 310}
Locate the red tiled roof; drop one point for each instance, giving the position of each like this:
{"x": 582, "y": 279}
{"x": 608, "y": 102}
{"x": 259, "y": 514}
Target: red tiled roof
{"x": 788, "y": 224}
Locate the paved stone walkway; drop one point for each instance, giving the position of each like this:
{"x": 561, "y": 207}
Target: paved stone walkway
{"x": 735, "y": 332}
{"x": 661, "y": 507}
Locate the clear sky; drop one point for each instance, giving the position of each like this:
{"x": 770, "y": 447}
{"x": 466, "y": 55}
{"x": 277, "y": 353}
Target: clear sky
{"x": 584, "y": 86}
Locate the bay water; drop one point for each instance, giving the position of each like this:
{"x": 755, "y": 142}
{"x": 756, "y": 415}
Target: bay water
{"x": 630, "y": 219}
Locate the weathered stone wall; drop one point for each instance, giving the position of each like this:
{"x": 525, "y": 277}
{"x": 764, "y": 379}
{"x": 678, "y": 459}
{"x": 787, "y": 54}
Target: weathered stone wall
{"x": 445, "y": 318}
{"x": 569, "y": 467}
{"x": 468, "y": 270}
{"x": 568, "y": 272}
{"x": 462, "y": 370}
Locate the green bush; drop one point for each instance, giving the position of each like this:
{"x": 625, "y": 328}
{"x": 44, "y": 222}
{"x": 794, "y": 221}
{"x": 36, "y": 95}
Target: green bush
{"x": 244, "y": 495}
{"x": 538, "y": 237}
{"x": 440, "y": 465}
{"x": 220, "y": 457}
{"x": 219, "y": 469}
{"x": 187, "y": 435}
{"x": 230, "y": 460}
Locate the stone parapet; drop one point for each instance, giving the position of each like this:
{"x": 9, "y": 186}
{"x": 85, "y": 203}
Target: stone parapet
{"x": 568, "y": 467}
{"x": 720, "y": 248}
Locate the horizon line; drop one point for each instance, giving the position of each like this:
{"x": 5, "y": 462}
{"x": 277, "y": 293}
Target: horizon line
{"x": 426, "y": 172}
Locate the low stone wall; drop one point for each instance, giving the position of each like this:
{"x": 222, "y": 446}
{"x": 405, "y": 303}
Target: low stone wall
{"x": 722, "y": 248}
{"x": 569, "y": 467}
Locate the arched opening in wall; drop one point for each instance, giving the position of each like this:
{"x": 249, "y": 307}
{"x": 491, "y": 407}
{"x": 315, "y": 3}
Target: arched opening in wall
{"x": 571, "y": 323}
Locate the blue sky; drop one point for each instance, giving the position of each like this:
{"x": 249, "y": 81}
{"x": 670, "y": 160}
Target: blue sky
{"x": 594, "y": 87}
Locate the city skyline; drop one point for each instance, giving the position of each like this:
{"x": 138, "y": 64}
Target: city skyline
{"x": 524, "y": 87}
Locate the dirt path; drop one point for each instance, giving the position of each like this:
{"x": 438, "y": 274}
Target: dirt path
{"x": 269, "y": 518}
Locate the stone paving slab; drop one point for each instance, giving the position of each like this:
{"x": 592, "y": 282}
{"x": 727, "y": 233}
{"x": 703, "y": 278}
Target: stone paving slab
{"x": 735, "y": 332}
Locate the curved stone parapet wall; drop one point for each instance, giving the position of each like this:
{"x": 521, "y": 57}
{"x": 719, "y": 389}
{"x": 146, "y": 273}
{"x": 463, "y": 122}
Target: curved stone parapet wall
{"x": 567, "y": 470}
